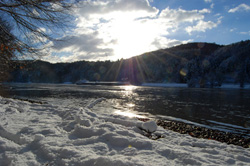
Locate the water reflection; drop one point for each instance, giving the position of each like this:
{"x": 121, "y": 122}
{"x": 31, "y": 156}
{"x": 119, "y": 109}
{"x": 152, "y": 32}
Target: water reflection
{"x": 206, "y": 106}
{"x": 128, "y": 91}
{"x": 130, "y": 105}
{"x": 127, "y": 108}
{"x": 129, "y": 114}
{"x": 129, "y": 88}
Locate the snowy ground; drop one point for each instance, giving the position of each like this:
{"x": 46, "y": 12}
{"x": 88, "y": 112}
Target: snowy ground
{"x": 44, "y": 134}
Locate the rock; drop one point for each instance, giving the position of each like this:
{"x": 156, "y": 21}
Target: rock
{"x": 149, "y": 126}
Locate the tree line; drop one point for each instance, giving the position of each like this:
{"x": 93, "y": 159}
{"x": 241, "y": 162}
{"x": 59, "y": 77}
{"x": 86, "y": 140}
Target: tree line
{"x": 197, "y": 64}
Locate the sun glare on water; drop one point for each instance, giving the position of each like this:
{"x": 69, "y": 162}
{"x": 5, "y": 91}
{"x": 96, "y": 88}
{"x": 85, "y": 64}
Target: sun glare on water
{"x": 129, "y": 88}
{"x": 128, "y": 114}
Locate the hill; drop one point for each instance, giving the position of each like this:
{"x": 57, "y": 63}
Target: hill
{"x": 198, "y": 64}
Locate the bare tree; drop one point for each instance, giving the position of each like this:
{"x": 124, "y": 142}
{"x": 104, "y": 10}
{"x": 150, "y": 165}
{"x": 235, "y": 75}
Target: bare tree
{"x": 34, "y": 22}
{"x": 27, "y": 26}
{"x": 6, "y": 48}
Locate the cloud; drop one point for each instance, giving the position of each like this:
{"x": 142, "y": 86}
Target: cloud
{"x": 212, "y": 6}
{"x": 233, "y": 29}
{"x": 181, "y": 15}
{"x": 83, "y": 42}
{"x": 208, "y": 1}
{"x": 241, "y": 7}
{"x": 245, "y": 33}
{"x": 203, "y": 11}
{"x": 202, "y": 26}
{"x": 82, "y": 46}
{"x": 161, "y": 42}
{"x": 106, "y": 7}
{"x": 114, "y": 29}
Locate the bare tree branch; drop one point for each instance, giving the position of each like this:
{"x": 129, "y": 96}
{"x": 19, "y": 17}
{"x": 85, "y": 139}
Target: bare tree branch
{"x": 34, "y": 22}
{"x": 27, "y": 26}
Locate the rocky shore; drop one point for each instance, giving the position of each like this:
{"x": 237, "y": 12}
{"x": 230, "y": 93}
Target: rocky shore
{"x": 202, "y": 132}
{"x": 199, "y": 132}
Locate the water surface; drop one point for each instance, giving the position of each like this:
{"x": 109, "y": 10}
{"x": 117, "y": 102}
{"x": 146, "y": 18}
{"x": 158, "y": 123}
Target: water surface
{"x": 226, "y": 109}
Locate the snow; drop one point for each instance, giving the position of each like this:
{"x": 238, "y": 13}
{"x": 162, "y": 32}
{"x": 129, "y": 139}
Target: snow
{"x": 183, "y": 85}
{"x": 46, "y": 134}
{"x": 149, "y": 126}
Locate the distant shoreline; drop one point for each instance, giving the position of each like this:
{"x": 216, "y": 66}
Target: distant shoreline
{"x": 167, "y": 85}
{"x": 183, "y": 85}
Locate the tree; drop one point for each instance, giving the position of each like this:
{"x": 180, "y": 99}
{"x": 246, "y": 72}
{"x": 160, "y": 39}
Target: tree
{"x": 6, "y": 48}
{"x": 34, "y": 23}
{"x": 194, "y": 73}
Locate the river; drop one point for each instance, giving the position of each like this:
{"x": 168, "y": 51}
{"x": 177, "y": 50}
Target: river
{"x": 223, "y": 109}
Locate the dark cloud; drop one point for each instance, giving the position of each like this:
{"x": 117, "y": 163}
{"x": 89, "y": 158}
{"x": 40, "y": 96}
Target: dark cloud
{"x": 82, "y": 43}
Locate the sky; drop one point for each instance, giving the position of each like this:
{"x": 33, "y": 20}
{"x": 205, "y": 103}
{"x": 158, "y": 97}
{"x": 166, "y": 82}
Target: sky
{"x": 116, "y": 29}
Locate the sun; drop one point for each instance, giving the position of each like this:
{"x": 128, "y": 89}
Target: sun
{"x": 133, "y": 36}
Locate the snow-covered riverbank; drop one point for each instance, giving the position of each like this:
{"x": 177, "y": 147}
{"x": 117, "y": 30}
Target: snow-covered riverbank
{"x": 44, "y": 134}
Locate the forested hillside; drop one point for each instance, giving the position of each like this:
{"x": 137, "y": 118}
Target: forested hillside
{"x": 198, "y": 64}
